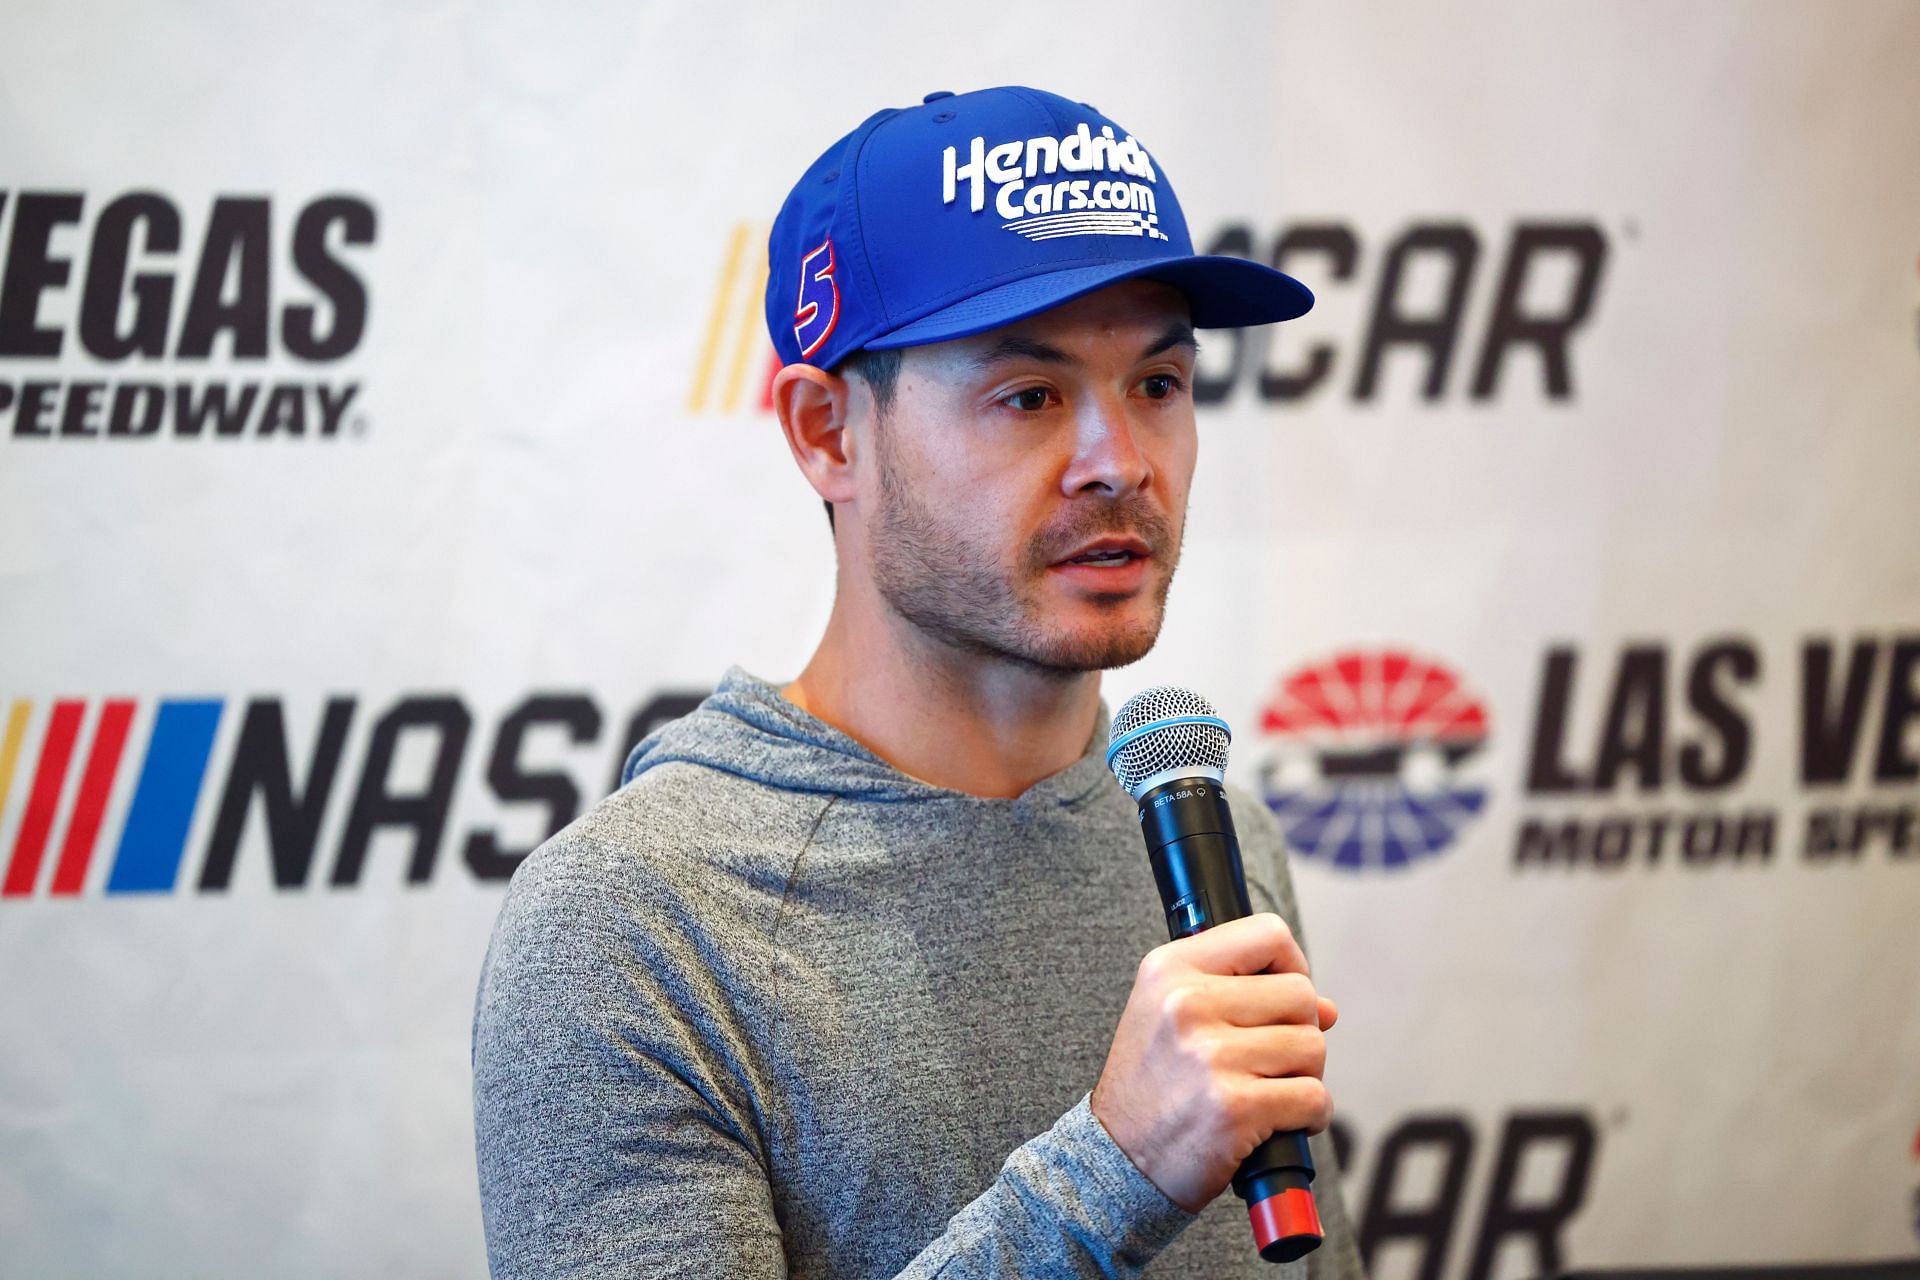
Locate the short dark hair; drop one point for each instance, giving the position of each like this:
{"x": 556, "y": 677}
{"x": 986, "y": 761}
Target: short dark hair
{"x": 880, "y": 370}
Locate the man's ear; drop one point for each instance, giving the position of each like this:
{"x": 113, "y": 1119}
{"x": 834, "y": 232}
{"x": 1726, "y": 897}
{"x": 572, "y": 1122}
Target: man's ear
{"x": 813, "y": 407}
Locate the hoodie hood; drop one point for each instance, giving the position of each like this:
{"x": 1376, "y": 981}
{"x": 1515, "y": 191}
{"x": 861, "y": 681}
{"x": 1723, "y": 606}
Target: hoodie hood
{"x": 748, "y": 728}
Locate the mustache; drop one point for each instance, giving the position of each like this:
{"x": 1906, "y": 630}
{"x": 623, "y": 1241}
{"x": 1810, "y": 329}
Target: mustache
{"x": 1131, "y": 520}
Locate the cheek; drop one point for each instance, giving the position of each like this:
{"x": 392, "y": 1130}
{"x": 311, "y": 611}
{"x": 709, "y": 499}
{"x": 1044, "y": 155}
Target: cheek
{"x": 968, "y": 505}
{"x": 1175, "y": 467}
{"x": 994, "y": 500}
{"x": 987, "y": 523}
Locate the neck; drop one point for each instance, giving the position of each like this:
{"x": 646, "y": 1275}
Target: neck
{"x": 969, "y": 722}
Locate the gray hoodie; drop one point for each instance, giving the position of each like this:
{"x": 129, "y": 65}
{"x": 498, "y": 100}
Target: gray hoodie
{"x": 776, "y": 1008}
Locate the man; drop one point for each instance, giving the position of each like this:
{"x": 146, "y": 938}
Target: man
{"x": 847, "y": 979}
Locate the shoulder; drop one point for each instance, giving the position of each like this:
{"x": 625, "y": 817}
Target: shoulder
{"x": 679, "y": 837}
{"x": 682, "y": 867}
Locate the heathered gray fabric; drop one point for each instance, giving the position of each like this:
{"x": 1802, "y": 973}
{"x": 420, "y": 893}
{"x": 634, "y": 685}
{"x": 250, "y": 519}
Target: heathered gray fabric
{"x": 775, "y": 1008}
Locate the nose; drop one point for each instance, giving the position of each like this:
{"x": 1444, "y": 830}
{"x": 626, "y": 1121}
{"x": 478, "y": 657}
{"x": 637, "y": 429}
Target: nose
{"x": 1107, "y": 455}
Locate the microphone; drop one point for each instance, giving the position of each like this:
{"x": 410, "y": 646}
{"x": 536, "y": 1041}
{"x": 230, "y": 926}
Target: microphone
{"x": 1168, "y": 748}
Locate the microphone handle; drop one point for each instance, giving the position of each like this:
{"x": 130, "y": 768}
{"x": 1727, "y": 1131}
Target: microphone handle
{"x": 1196, "y": 866}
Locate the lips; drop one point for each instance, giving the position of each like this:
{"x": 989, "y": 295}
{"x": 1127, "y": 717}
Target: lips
{"x": 1109, "y": 551}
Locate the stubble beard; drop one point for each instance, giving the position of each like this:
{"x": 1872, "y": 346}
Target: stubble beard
{"x": 956, "y": 594}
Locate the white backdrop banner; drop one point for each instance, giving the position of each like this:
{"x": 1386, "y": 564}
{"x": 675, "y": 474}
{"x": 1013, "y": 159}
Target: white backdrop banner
{"x": 383, "y": 449}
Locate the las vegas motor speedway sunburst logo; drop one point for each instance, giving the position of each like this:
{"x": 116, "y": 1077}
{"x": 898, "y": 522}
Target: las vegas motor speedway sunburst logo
{"x": 1362, "y": 755}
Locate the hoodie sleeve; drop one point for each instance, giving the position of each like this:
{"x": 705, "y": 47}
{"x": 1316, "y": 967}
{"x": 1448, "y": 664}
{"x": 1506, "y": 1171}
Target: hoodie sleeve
{"x": 613, "y": 1137}
{"x": 1067, "y": 1203}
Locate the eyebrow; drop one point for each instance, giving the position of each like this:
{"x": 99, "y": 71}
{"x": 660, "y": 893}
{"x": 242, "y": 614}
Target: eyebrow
{"x": 1178, "y": 334}
{"x": 1014, "y": 347}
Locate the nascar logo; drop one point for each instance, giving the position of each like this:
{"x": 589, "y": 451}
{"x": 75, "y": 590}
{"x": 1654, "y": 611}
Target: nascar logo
{"x": 155, "y": 834}
{"x": 291, "y": 787}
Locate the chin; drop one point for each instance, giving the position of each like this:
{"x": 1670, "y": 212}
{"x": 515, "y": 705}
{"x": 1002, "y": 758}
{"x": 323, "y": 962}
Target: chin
{"x": 1098, "y": 648}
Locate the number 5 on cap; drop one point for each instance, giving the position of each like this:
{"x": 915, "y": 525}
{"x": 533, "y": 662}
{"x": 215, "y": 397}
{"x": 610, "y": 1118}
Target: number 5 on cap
{"x": 818, "y": 307}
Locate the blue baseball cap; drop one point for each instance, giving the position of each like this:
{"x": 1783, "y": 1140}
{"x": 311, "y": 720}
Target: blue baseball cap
{"x": 974, "y": 210}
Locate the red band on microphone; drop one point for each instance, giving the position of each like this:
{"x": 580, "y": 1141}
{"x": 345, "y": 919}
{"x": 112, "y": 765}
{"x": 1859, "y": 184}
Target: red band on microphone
{"x": 1286, "y": 1222}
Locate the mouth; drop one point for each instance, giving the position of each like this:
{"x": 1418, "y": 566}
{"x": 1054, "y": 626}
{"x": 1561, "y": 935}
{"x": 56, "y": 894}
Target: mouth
{"x": 1107, "y": 553}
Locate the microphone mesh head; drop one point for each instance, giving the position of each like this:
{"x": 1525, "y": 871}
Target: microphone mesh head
{"x": 1174, "y": 746}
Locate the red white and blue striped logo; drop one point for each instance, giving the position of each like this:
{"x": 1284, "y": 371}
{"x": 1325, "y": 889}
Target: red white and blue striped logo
{"x": 1363, "y": 758}
{"x": 146, "y": 857}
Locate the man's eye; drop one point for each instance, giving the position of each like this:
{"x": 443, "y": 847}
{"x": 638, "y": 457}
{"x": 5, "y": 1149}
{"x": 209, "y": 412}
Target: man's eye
{"x": 1031, "y": 399}
{"x": 1159, "y": 386}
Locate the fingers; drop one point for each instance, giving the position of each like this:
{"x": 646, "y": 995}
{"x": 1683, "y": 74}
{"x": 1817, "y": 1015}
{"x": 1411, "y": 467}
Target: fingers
{"x": 1249, "y": 972}
{"x": 1296, "y": 1050}
{"x": 1262, "y": 999}
{"x": 1259, "y": 943}
{"x": 1297, "y": 1102}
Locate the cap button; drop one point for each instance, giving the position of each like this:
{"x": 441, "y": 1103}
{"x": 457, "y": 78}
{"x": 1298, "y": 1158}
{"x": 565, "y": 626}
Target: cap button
{"x": 938, "y": 94}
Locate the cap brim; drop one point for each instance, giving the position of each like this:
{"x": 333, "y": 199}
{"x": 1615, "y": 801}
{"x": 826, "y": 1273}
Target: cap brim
{"x": 1224, "y": 292}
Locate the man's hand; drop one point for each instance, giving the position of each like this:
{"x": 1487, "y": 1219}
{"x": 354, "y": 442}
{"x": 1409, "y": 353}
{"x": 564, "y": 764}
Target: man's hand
{"x": 1221, "y": 1044}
